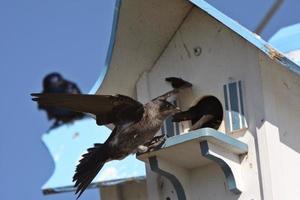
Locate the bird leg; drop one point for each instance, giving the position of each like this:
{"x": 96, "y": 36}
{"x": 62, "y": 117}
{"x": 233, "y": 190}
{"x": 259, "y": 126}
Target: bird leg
{"x": 152, "y": 145}
{"x": 142, "y": 149}
{"x": 156, "y": 142}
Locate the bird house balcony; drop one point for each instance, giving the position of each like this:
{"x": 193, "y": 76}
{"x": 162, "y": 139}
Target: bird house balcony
{"x": 181, "y": 157}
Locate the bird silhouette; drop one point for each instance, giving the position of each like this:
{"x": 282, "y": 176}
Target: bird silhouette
{"x": 208, "y": 112}
{"x": 55, "y": 83}
{"x": 135, "y": 125}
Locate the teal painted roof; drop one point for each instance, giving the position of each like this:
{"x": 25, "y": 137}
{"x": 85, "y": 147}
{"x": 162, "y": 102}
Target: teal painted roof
{"x": 251, "y": 37}
{"x": 67, "y": 143}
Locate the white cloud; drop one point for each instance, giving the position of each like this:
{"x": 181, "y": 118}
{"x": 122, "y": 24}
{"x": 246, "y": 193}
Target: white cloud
{"x": 108, "y": 174}
{"x": 57, "y": 155}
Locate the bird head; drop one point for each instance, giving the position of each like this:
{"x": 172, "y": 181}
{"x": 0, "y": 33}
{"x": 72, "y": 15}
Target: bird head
{"x": 52, "y": 80}
{"x": 166, "y": 108}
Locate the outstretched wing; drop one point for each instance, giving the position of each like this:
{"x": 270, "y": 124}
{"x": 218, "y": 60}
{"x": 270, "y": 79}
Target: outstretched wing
{"x": 108, "y": 109}
{"x": 89, "y": 166}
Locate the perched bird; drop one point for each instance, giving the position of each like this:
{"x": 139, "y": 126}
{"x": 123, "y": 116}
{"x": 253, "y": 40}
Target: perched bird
{"x": 208, "y": 112}
{"x": 135, "y": 125}
{"x": 55, "y": 83}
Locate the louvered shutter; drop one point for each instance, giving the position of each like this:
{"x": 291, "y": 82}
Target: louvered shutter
{"x": 234, "y": 106}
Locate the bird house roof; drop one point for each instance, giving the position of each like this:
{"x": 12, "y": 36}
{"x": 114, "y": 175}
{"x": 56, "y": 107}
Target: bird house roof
{"x": 141, "y": 31}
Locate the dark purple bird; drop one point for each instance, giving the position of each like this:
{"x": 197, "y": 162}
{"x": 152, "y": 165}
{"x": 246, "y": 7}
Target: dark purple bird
{"x": 208, "y": 112}
{"x": 55, "y": 83}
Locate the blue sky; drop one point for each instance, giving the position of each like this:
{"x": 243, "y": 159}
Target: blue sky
{"x": 71, "y": 37}
{"x": 38, "y": 37}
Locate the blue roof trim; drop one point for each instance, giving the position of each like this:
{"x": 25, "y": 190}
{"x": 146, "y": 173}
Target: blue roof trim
{"x": 208, "y": 134}
{"x": 110, "y": 48}
{"x": 57, "y": 190}
{"x": 248, "y": 35}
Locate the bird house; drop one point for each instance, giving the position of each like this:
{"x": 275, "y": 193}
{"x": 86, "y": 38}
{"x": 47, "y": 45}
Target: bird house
{"x": 252, "y": 149}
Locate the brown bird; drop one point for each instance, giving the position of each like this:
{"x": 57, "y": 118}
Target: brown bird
{"x": 135, "y": 125}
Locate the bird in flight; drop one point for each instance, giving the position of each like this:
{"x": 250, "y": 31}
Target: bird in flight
{"x": 135, "y": 125}
{"x": 55, "y": 83}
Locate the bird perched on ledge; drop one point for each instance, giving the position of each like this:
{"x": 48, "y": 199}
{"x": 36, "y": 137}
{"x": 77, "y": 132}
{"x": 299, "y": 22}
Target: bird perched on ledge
{"x": 55, "y": 83}
{"x": 135, "y": 125}
{"x": 206, "y": 113}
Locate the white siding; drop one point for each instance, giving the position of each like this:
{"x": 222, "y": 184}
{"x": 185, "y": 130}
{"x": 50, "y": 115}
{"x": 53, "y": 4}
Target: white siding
{"x": 225, "y": 56}
{"x": 282, "y": 106}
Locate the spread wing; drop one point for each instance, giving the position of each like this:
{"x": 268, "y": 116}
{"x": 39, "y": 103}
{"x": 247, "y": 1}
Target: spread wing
{"x": 108, "y": 109}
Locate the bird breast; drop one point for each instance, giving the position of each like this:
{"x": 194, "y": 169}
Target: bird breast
{"x": 130, "y": 137}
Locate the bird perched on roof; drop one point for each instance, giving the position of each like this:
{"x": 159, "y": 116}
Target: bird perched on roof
{"x": 135, "y": 125}
{"x": 55, "y": 83}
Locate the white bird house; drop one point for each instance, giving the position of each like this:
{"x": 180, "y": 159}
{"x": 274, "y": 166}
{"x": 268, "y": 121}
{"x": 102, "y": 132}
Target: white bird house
{"x": 254, "y": 153}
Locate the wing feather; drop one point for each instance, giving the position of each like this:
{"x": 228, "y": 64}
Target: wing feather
{"x": 108, "y": 109}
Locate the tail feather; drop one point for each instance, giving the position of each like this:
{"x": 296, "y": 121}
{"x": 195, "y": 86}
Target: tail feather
{"x": 89, "y": 166}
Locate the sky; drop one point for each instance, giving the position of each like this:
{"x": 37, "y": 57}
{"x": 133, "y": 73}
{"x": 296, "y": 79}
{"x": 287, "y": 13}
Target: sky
{"x": 70, "y": 37}
{"x": 38, "y": 37}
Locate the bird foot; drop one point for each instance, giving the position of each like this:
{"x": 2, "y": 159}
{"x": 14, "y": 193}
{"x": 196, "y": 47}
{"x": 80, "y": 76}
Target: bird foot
{"x": 156, "y": 142}
{"x": 156, "y": 139}
{"x": 152, "y": 145}
{"x": 142, "y": 149}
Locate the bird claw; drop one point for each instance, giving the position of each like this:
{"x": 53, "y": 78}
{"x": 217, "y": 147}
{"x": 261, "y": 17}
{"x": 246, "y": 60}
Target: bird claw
{"x": 152, "y": 145}
{"x": 156, "y": 143}
{"x": 142, "y": 149}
